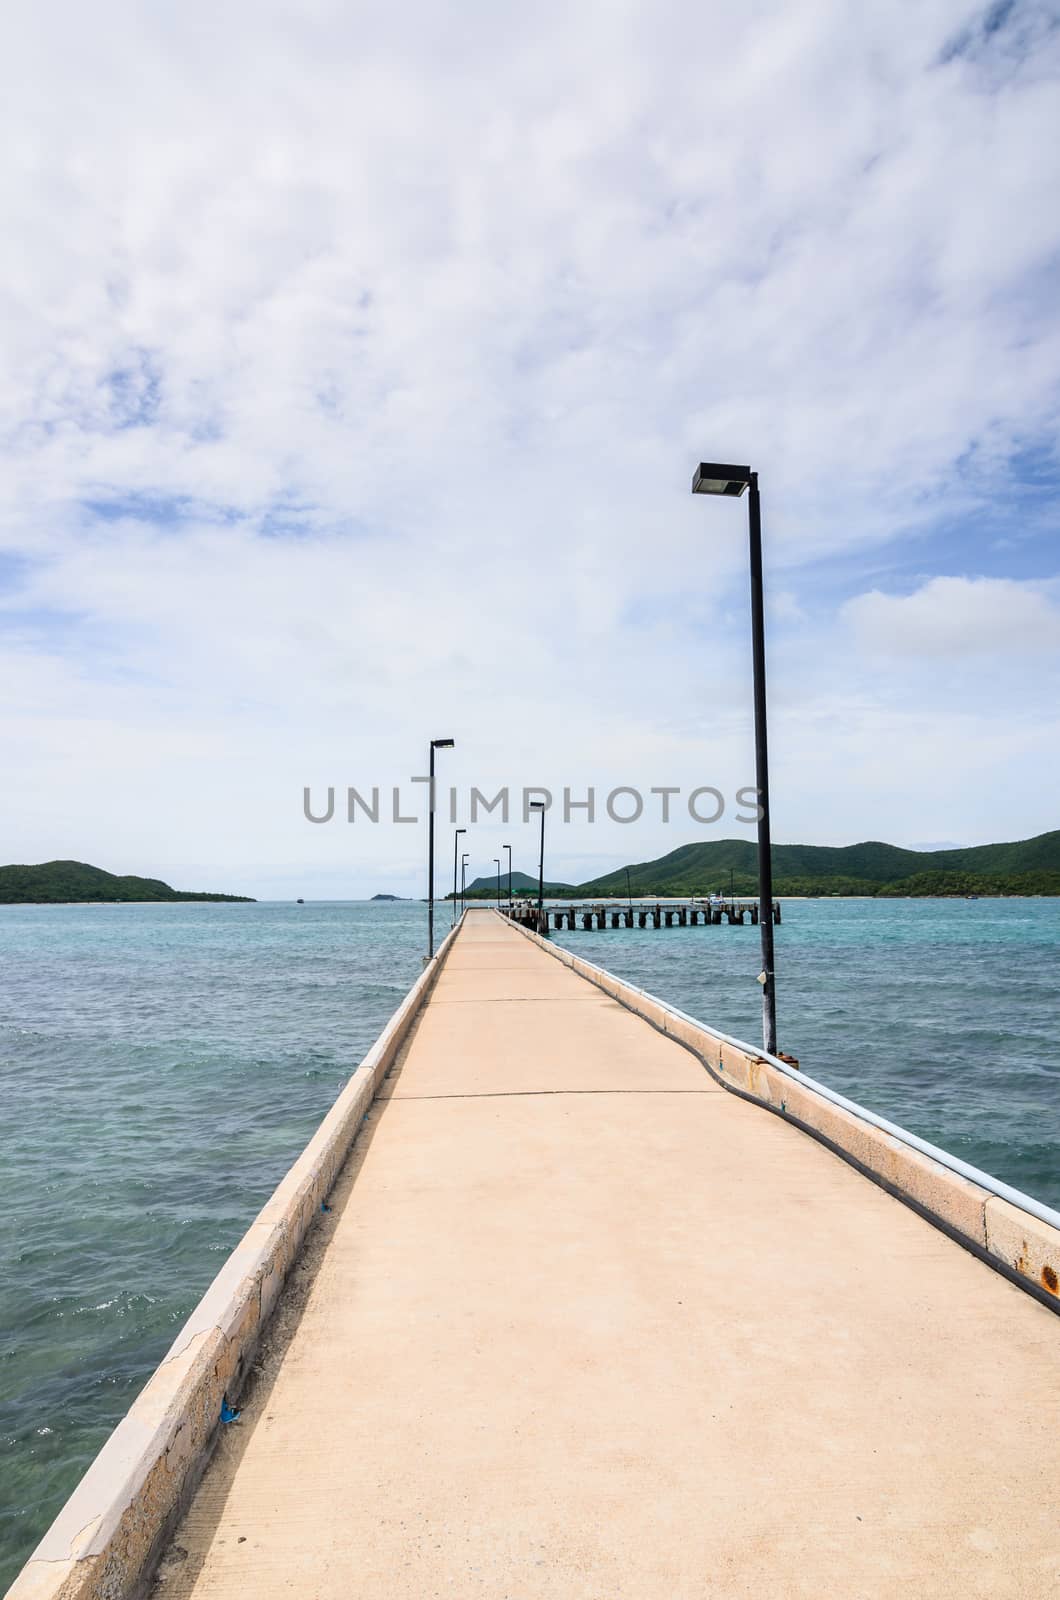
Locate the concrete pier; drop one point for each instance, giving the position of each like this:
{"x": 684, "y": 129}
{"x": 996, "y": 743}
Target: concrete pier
{"x": 586, "y": 1325}
{"x": 576, "y": 1321}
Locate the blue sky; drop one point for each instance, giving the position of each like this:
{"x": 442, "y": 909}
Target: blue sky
{"x": 356, "y": 365}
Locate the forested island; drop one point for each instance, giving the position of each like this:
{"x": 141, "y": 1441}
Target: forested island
{"x": 1023, "y": 867}
{"x": 70, "y": 882}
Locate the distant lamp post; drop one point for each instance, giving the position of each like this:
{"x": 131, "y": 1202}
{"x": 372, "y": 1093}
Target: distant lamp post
{"x": 509, "y": 850}
{"x": 497, "y": 864}
{"x": 456, "y": 846}
{"x": 712, "y": 478}
{"x": 539, "y": 805}
{"x": 436, "y": 744}
{"x": 464, "y": 859}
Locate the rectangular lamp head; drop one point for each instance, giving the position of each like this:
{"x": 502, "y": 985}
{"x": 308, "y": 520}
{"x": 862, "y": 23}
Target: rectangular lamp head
{"x": 537, "y": 805}
{"x": 443, "y": 744}
{"x": 714, "y": 478}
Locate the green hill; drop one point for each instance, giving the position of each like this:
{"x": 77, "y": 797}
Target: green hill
{"x": 1026, "y": 866}
{"x": 482, "y": 888}
{"x": 55, "y": 882}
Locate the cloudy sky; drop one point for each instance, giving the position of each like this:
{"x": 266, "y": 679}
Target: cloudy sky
{"x": 356, "y": 362}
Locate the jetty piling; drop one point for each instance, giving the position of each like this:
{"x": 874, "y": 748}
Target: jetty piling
{"x": 655, "y": 914}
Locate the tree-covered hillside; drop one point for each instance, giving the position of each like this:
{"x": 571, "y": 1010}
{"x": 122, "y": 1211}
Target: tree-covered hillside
{"x": 522, "y": 884}
{"x": 57, "y": 882}
{"x": 1024, "y": 867}
{"x": 837, "y": 869}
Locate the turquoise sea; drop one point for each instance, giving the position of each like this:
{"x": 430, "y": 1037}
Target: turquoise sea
{"x": 161, "y": 1066}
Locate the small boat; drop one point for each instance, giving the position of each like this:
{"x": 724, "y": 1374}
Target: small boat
{"x": 299, "y": 901}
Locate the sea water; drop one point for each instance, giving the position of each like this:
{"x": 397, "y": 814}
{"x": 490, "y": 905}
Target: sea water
{"x": 161, "y": 1066}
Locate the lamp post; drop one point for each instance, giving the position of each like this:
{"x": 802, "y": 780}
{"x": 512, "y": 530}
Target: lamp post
{"x": 509, "y": 850}
{"x": 711, "y": 478}
{"x": 539, "y": 805}
{"x": 464, "y": 859}
{"x": 456, "y": 846}
{"x": 497, "y": 864}
{"x": 436, "y": 744}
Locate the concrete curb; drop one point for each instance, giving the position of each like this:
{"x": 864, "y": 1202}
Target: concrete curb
{"x": 1018, "y": 1244}
{"x": 102, "y": 1544}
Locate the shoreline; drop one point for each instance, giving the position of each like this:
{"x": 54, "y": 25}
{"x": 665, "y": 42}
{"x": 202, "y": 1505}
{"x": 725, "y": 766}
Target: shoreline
{"x": 192, "y": 900}
{"x": 683, "y": 899}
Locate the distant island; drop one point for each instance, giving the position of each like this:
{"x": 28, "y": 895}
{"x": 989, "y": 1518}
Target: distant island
{"x": 390, "y": 897}
{"x": 66, "y": 882}
{"x": 1025, "y": 867}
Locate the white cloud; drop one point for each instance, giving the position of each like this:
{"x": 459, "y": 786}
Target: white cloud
{"x": 424, "y": 318}
{"x": 958, "y": 617}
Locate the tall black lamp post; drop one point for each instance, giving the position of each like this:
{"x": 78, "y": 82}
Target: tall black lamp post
{"x": 497, "y": 864}
{"x": 456, "y": 846}
{"x": 464, "y": 859}
{"x": 539, "y": 805}
{"x": 711, "y": 478}
{"x": 509, "y": 850}
{"x": 436, "y": 744}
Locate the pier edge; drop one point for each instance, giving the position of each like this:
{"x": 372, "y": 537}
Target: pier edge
{"x": 115, "y": 1523}
{"x": 986, "y": 1217}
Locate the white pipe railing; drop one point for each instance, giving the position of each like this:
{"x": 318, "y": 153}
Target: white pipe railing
{"x": 964, "y": 1169}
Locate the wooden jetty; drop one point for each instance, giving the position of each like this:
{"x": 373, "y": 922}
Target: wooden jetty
{"x": 637, "y": 914}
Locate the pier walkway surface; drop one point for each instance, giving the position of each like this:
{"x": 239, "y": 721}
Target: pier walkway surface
{"x": 583, "y": 1324}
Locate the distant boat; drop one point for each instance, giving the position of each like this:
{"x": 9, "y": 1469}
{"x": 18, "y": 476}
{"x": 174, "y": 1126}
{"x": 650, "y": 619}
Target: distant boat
{"x": 300, "y": 901}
